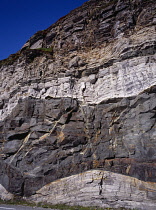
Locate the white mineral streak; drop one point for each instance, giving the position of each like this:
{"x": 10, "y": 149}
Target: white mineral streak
{"x": 4, "y": 194}
{"x": 98, "y": 188}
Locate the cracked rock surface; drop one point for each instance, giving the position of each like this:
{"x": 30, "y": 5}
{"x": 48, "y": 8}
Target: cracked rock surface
{"x": 99, "y": 188}
{"x": 80, "y": 97}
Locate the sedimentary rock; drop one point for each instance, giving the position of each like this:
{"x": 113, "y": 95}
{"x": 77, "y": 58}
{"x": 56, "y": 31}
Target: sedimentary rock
{"x": 99, "y": 188}
{"x": 79, "y": 96}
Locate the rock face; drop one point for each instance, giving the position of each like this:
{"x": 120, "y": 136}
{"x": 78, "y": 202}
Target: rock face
{"x": 81, "y": 96}
{"x": 99, "y": 188}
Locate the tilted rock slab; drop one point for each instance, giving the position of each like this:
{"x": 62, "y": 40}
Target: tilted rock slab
{"x": 4, "y": 194}
{"x": 80, "y": 96}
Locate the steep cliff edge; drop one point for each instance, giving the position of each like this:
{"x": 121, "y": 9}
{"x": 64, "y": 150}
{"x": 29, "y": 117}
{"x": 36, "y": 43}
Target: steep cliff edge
{"x": 79, "y": 101}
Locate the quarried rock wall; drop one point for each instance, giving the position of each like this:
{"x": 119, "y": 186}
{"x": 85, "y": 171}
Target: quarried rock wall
{"x": 80, "y": 97}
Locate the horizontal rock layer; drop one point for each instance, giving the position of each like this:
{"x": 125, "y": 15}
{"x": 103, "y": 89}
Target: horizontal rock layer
{"x": 81, "y": 95}
{"x": 94, "y": 81}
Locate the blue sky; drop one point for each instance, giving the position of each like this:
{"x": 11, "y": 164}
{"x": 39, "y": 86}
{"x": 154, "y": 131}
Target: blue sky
{"x": 20, "y": 19}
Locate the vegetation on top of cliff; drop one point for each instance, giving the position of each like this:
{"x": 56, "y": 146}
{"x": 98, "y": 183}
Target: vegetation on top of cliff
{"x": 49, "y": 50}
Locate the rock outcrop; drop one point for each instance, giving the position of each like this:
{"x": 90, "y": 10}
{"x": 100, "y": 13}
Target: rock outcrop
{"x": 80, "y": 97}
{"x": 99, "y": 188}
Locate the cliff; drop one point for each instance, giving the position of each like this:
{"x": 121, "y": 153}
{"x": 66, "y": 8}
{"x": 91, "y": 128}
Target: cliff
{"x": 78, "y": 109}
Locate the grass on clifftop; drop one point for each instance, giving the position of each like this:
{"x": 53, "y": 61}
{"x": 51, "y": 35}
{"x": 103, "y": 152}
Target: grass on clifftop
{"x": 58, "y": 206}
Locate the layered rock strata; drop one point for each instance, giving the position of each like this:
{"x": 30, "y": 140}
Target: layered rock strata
{"x": 81, "y": 96}
{"x": 99, "y": 188}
